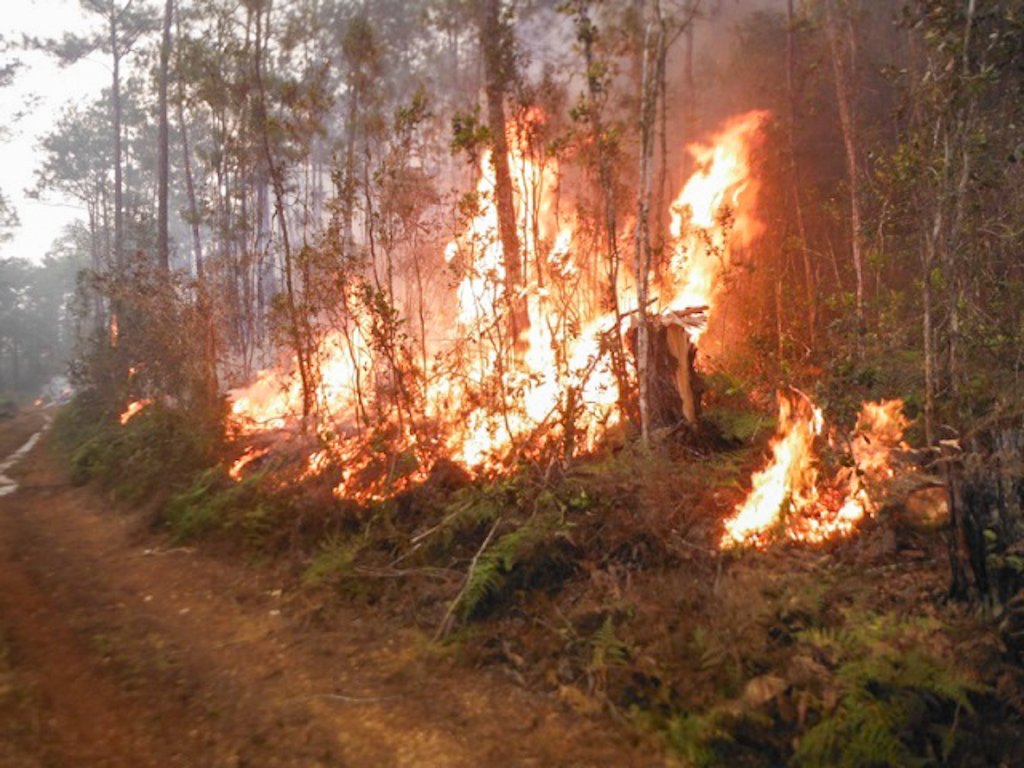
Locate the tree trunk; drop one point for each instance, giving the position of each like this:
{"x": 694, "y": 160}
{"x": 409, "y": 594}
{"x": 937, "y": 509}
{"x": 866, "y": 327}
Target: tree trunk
{"x": 163, "y": 171}
{"x": 296, "y": 321}
{"x": 495, "y": 47}
{"x": 190, "y": 188}
{"x": 844, "y": 99}
{"x": 648, "y": 103}
{"x": 115, "y": 103}
{"x": 810, "y": 284}
{"x": 586, "y": 34}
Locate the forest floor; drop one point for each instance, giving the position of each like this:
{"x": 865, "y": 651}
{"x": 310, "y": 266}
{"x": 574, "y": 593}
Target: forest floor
{"x": 118, "y": 648}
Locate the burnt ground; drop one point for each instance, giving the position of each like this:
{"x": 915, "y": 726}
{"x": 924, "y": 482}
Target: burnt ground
{"x": 120, "y": 649}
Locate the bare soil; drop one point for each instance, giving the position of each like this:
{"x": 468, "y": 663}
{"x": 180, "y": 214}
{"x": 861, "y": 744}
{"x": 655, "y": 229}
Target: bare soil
{"x": 119, "y": 649}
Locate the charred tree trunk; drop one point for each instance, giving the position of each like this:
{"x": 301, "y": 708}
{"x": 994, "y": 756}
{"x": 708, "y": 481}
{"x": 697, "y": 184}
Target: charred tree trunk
{"x": 675, "y": 387}
{"x": 985, "y": 485}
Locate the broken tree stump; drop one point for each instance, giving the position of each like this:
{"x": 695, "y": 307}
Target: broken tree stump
{"x": 675, "y": 387}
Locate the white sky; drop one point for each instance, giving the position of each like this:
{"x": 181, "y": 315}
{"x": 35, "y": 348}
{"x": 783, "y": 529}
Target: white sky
{"x": 50, "y": 88}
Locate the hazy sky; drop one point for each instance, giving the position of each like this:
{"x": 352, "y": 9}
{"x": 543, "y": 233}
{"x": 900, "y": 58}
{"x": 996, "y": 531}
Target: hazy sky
{"x": 28, "y": 109}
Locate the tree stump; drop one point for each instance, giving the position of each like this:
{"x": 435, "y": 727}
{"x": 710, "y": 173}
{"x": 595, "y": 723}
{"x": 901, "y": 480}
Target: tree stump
{"x": 675, "y": 387}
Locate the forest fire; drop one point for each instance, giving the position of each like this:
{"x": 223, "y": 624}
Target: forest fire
{"x": 785, "y": 497}
{"x": 551, "y": 335}
{"x": 486, "y": 396}
{"x": 134, "y": 409}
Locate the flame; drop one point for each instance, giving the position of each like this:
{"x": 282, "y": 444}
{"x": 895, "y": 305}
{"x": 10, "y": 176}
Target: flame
{"x": 785, "y": 494}
{"x": 317, "y": 463}
{"x": 790, "y": 477}
{"x": 133, "y": 410}
{"x": 274, "y": 399}
{"x": 250, "y": 455}
{"x": 484, "y": 400}
{"x": 713, "y": 211}
{"x": 879, "y": 431}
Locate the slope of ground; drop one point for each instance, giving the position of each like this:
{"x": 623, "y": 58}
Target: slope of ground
{"x": 118, "y": 649}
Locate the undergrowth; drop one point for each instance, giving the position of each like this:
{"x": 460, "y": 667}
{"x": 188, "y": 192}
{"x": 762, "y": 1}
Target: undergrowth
{"x": 604, "y": 577}
{"x": 797, "y": 680}
{"x": 216, "y": 504}
{"x": 155, "y": 454}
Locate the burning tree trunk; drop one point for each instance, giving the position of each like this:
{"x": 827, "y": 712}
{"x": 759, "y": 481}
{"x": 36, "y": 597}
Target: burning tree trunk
{"x": 496, "y": 47}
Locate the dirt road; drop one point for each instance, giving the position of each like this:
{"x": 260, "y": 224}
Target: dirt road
{"x": 118, "y": 649}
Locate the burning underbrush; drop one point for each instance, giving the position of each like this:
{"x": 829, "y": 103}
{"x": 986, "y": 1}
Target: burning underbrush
{"x": 790, "y": 499}
{"x": 538, "y": 370}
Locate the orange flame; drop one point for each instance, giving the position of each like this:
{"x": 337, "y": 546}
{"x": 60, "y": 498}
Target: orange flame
{"x": 482, "y": 403}
{"x": 250, "y": 455}
{"x": 790, "y": 477}
{"x": 785, "y": 493}
{"x": 133, "y": 410}
{"x": 713, "y": 211}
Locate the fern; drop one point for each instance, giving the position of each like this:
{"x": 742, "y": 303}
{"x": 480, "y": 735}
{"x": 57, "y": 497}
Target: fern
{"x": 886, "y": 693}
{"x": 607, "y": 649}
{"x": 493, "y": 566}
{"x": 697, "y": 736}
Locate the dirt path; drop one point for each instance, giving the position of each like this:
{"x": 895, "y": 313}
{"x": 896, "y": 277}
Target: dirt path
{"x": 116, "y": 650}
